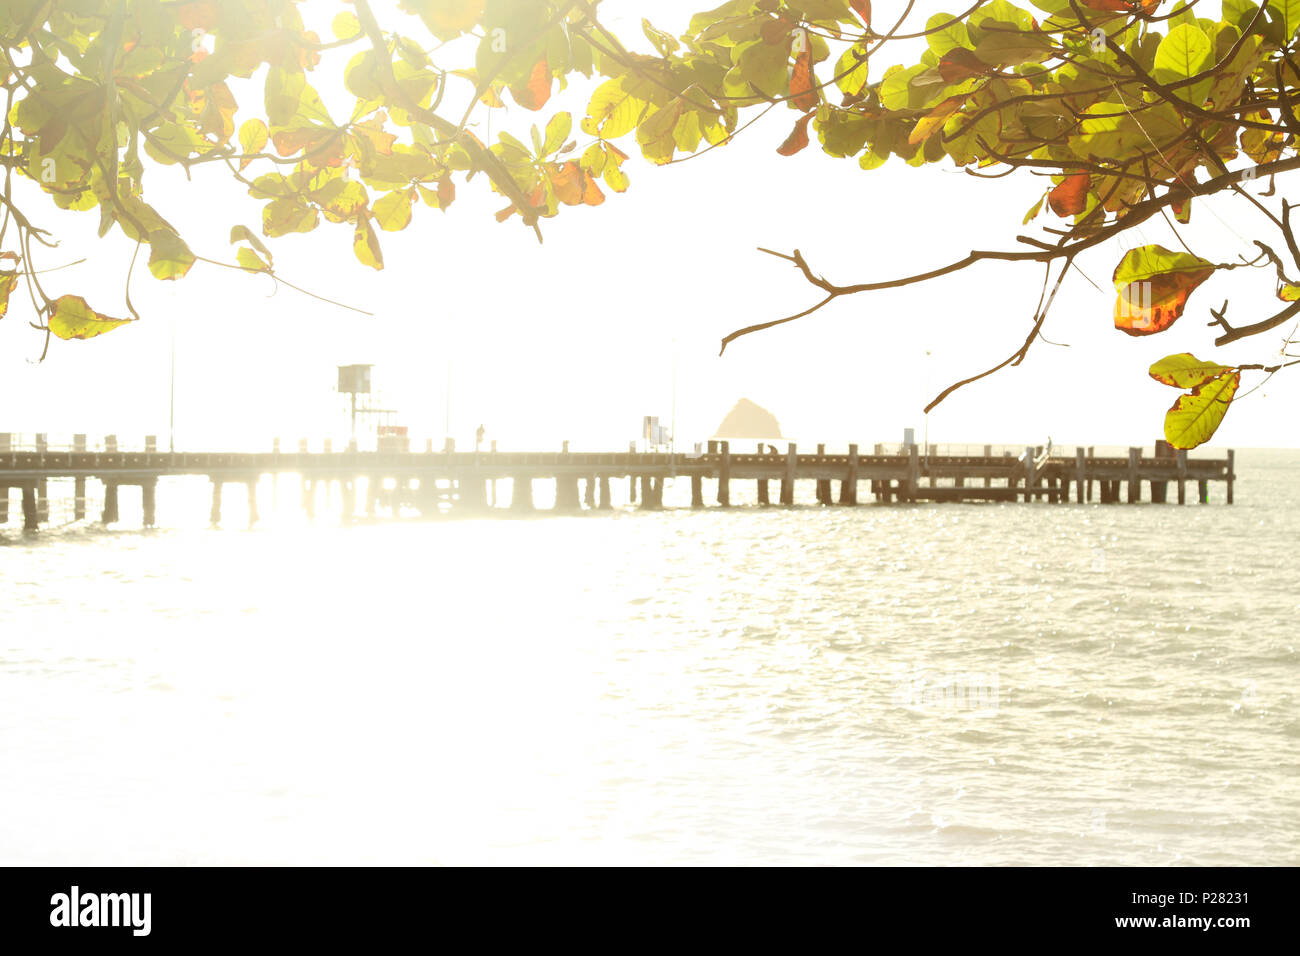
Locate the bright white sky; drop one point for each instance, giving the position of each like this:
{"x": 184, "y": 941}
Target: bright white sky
{"x": 575, "y": 339}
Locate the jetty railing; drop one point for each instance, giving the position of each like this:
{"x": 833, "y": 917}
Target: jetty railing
{"x": 434, "y": 481}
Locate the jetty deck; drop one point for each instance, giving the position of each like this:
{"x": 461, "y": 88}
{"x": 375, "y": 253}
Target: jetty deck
{"x": 434, "y": 481}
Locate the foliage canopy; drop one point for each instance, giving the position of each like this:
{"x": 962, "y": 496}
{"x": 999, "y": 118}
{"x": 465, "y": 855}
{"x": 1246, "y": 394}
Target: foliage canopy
{"x": 1134, "y": 108}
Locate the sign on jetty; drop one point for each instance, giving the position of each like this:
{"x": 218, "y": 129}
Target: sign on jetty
{"x": 430, "y": 481}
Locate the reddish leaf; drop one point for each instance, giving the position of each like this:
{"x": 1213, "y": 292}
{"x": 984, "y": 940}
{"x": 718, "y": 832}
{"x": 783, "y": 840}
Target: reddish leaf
{"x": 446, "y": 193}
{"x": 798, "y": 137}
{"x": 534, "y": 95}
{"x": 1070, "y": 197}
{"x": 863, "y": 8}
{"x": 960, "y": 64}
{"x": 1151, "y": 306}
{"x": 566, "y": 179}
{"x": 802, "y": 82}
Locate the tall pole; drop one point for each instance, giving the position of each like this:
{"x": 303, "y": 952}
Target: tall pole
{"x": 354, "y": 420}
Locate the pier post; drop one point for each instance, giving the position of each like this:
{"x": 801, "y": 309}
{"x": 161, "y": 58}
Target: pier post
{"x": 1159, "y": 491}
{"x": 521, "y": 494}
{"x": 697, "y": 491}
{"x": 1031, "y": 473}
{"x": 252, "y": 502}
{"x": 1203, "y": 491}
{"x": 149, "y": 500}
{"x": 849, "y": 488}
{"x": 110, "y": 503}
{"x": 1182, "y": 476}
{"x": 657, "y": 486}
{"x": 79, "y": 484}
{"x": 913, "y": 474}
{"x": 1080, "y": 474}
{"x": 764, "y": 498}
{"x": 1232, "y": 475}
{"x": 604, "y": 504}
{"x": 214, "y": 517}
{"x": 589, "y": 492}
{"x": 988, "y": 453}
{"x": 567, "y": 497}
{"x": 1134, "y": 482}
{"x": 724, "y": 475}
{"x": 309, "y": 498}
{"x": 647, "y": 492}
{"x": 43, "y": 486}
{"x": 823, "y": 484}
{"x": 4, "y": 505}
{"x": 348, "y": 498}
{"x": 31, "y": 513}
{"x": 787, "y": 483}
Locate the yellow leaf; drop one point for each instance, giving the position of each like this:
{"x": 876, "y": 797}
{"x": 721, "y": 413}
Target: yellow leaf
{"x": 72, "y": 318}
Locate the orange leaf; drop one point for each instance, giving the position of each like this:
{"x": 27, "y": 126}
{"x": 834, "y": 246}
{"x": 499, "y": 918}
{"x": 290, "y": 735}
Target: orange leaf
{"x": 798, "y": 137}
{"x": 534, "y": 95}
{"x": 1070, "y": 197}
{"x": 446, "y": 193}
{"x": 863, "y": 8}
{"x": 567, "y": 181}
{"x": 1151, "y": 306}
{"x": 591, "y": 194}
{"x": 802, "y": 82}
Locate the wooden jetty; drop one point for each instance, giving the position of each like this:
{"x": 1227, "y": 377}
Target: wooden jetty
{"x": 432, "y": 481}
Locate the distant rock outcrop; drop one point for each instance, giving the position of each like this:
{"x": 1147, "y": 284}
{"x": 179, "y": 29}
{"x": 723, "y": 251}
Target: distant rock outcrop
{"x": 748, "y": 420}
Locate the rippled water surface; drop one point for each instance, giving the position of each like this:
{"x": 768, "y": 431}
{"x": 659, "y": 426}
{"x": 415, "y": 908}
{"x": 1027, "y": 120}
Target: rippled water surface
{"x": 966, "y": 684}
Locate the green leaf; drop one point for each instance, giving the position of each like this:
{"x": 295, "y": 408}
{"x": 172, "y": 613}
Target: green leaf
{"x": 169, "y": 257}
{"x": 1185, "y": 370}
{"x": 1196, "y": 416}
{"x": 1184, "y": 53}
{"x": 72, "y": 318}
{"x": 557, "y": 132}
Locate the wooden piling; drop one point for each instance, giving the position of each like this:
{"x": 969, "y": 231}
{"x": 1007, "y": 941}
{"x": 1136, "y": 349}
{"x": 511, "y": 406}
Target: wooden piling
{"x": 724, "y": 475}
{"x": 1080, "y": 475}
{"x": 697, "y": 491}
{"x": 566, "y": 494}
{"x": 823, "y": 484}
{"x": 1203, "y": 491}
{"x": 1159, "y": 491}
{"x": 988, "y": 453}
{"x": 647, "y": 492}
{"x": 31, "y": 513}
{"x": 148, "y": 500}
{"x": 1232, "y": 474}
{"x": 762, "y": 492}
{"x": 4, "y": 505}
{"x": 110, "y": 515}
{"x": 604, "y": 503}
{"x": 1031, "y": 473}
{"x": 521, "y": 494}
{"x": 1182, "y": 476}
{"x": 849, "y": 487}
{"x": 78, "y": 483}
{"x": 787, "y": 481}
{"x": 1134, "y": 482}
{"x": 913, "y": 481}
{"x": 309, "y": 497}
{"x": 253, "y": 517}
{"x": 43, "y": 486}
{"x": 589, "y": 492}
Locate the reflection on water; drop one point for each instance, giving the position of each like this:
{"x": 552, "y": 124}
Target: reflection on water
{"x": 921, "y": 685}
